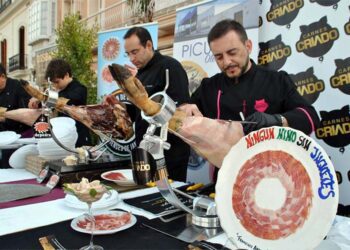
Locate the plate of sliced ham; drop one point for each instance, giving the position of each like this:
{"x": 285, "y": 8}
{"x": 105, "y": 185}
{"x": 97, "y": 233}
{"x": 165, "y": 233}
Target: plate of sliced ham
{"x": 277, "y": 189}
{"x": 122, "y": 177}
{"x": 106, "y": 222}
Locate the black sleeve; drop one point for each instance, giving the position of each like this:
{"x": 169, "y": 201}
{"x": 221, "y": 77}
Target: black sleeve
{"x": 77, "y": 95}
{"x": 23, "y": 97}
{"x": 299, "y": 113}
{"x": 178, "y": 86}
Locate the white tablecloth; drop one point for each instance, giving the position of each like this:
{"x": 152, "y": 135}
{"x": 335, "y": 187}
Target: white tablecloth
{"x": 36, "y": 215}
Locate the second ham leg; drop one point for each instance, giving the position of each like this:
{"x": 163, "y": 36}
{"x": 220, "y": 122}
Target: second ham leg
{"x": 212, "y": 139}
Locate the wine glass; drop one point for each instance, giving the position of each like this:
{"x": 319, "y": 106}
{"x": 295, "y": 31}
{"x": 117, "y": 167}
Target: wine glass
{"x": 88, "y": 193}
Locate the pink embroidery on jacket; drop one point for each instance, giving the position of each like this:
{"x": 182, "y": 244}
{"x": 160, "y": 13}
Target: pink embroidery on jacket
{"x": 261, "y": 105}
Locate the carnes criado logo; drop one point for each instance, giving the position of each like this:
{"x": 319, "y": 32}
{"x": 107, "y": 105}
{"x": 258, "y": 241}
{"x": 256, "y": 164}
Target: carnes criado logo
{"x": 283, "y": 12}
{"x": 341, "y": 78}
{"x": 273, "y": 53}
{"x": 347, "y": 26}
{"x": 317, "y": 38}
{"x": 335, "y": 127}
{"x": 308, "y": 85}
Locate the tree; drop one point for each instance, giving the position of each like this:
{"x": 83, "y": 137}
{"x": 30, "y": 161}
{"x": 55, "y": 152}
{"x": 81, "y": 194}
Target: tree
{"x": 143, "y": 9}
{"x": 75, "y": 42}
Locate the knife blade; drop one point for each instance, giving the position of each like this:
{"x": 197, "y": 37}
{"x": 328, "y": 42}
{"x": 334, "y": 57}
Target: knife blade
{"x": 12, "y": 192}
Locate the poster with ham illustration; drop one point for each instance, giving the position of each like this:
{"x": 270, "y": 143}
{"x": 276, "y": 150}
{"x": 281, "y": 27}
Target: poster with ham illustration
{"x": 111, "y": 50}
{"x": 277, "y": 189}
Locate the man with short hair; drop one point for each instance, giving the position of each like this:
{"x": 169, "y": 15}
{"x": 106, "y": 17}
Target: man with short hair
{"x": 244, "y": 90}
{"x": 60, "y": 74}
{"x": 151, "y": 66}
{"x": 12, "y": 96}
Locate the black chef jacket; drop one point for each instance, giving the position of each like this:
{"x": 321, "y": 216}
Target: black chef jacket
{"x": 152, "y": 77}
{"x": 77, "y": 95}
{"x": 13, "y": 96}
{"x": 260, "y": 89}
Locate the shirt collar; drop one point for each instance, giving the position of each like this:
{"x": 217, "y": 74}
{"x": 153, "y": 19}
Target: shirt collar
{"x": 151, "y": 62}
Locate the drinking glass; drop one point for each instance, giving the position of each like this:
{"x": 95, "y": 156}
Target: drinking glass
{"x": 89, "y": 196}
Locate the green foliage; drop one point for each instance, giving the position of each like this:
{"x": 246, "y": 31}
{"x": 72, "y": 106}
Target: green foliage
{"x": 75, "y": 42}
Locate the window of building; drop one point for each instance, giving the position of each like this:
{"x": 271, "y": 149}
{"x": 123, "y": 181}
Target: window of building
{"x": 21, "y": 48}
{"x": 41, "y": 20}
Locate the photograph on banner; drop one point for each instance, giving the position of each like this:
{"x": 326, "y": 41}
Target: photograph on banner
{"x": 111, "y": 50}
{"x": 192, "y": 27}
{"x": 310, "y": 48}
{"x": 191, "y": 48}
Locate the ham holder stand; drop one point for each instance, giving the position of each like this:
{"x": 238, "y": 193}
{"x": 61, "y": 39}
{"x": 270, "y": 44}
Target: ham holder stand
{"x": 204, "y": 222}
{"x": 91, "y": 162}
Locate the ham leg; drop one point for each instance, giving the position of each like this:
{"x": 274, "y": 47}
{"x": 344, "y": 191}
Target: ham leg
{"x": 110, "y": 119}
{"x": 210, "y": 138}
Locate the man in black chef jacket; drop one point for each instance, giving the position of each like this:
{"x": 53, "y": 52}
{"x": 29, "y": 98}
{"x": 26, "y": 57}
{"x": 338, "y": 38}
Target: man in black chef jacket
{"x": 244, "y": 90}
{"x": 12, "y": 96}
{"x": 151, "y": 66}
{"x": 60, "y": 74}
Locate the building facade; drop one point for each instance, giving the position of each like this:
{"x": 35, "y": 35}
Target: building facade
{"x": 14, "y": 51}
{"x": 27, "y": 28}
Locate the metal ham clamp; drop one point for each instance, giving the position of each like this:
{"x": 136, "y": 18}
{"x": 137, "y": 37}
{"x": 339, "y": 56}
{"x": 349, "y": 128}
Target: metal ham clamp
{"x": 204, "y": 208}
{"x": 51, "y": 101}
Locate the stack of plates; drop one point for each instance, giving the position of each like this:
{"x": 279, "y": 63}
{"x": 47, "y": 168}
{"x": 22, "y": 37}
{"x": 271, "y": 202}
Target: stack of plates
{"x": 66, "y": 132}
{"x": 105, "y": 202}
{"x": 8, "y": 137}
{"x": 18, "y": 158}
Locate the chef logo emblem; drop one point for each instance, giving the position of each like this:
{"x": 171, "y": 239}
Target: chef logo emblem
{"x": 41, "y": 128}
{"x": 317, "y": 38}
{"x": 308, "y": 85}
{"x": 283, "y": 12}
{"x": 347, "y": 28}
{"x": 325, "y": 2}
{"x": 341, "y": 78}
{"x": 339, "y": 177}
{"x": 260, "y": 21}
{"x": 335, "y": 127}
{"x": 261, "y": 105}
{"x": 273, "y": 53}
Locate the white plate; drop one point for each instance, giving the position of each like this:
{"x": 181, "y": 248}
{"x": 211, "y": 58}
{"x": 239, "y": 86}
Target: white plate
{"x": 27, "y": 140}
{"x": 105, "y": 202}
{"x": 18, "y": 158}
{"x": 8, "y": 137}
{"x": 127, "y": 173}
{"x": 257, "y": 176}
{"x": 130, "y": 223}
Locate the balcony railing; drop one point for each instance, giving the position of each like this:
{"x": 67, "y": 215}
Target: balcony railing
{"x": 17, "y": 62}
{"x": 111, "y": 17}
{"x": 4, "y": 4}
